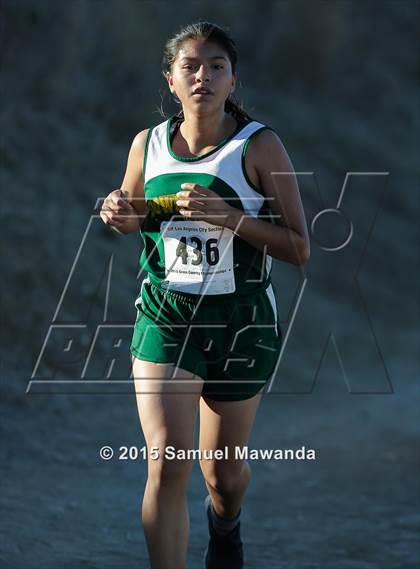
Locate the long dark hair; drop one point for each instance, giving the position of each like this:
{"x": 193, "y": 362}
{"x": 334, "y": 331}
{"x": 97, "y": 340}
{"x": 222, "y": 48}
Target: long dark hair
{"x": 210, "y": 32}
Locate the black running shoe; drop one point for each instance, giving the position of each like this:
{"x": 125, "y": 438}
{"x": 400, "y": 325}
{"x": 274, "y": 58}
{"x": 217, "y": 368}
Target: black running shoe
{"x": 223, "y": 551}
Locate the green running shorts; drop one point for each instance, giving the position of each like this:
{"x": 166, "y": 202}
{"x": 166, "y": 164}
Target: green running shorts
{"x": 232, "y": 344}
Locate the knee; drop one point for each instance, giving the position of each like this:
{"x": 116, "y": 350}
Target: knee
{"x": 225, "y": 476}
{"x": 165, "y": 471}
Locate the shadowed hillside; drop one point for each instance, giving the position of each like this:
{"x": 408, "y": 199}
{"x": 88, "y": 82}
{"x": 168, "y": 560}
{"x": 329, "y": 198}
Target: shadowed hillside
{"x": 336, "y": 80}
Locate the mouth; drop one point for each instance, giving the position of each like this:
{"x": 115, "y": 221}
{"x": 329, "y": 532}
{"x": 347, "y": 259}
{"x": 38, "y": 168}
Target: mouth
{"x": 202, "y": 92}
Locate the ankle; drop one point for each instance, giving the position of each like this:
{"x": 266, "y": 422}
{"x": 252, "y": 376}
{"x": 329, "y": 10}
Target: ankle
{"x": 221, "y": 524}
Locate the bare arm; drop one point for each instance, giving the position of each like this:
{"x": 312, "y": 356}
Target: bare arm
{"x": 124, "y": 209}
{"x": 288, "y": 240}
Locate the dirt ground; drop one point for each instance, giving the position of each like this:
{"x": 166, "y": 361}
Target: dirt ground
{"x": 355, "y": 507}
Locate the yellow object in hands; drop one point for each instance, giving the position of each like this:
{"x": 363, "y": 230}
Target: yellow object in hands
{"x": 163, "y": 205}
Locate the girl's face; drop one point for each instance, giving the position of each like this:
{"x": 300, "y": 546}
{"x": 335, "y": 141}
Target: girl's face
{"x": 201, "y": 65}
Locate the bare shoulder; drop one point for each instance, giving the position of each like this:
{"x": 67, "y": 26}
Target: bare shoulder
{"x": 265, "y": 154}
{"x": 268, "y": 151}
{"x": 140, "y": 138}
{"x": 136, "y": 154}
{"x": 139, "y": 143}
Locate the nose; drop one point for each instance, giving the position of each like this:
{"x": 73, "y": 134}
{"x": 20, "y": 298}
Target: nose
{"x": 203, "y": 73}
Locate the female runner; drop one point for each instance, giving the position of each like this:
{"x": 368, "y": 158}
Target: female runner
{"x": 206, "y": 334}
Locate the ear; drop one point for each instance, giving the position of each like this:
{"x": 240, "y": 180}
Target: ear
{"x": 233, "y": 84}
{"x": 169, "y": 79}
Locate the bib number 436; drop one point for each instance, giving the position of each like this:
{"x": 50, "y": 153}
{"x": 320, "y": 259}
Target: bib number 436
{"x": 211, "y": 250}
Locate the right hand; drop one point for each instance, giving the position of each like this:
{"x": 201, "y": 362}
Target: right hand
{"x": 116, "y": 208}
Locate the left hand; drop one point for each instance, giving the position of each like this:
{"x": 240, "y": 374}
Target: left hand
{"x": 201, "y": 202}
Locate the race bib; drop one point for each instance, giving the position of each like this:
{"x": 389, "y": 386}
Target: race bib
{"x": 198, "y": 257}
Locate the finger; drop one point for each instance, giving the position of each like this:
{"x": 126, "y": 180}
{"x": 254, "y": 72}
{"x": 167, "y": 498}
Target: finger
{"x": 125, "y": 198}
{"x": 125, "y": 210}
{"x": 113, "y": 196}
{"x": 119, "y": 197}
{"x": 192, "y": 195}
{"x": 118, "y": 207}
{"x": 203, "y": 191}
{"x": 109, "y": 205}
{"x": 190, "y": 203}
{"x": 194, "y": 189}
{"x": 108, "y": 220}
{"x": 111, "y": 211}
{"x": 191, "y": 213}
{"x": 103, "y": 216}
{"x": 190, "y": 186}
{"x": 122, "y": 203}
{"x": 113, "y": 218}
{"x": 119, "y": 193}
{"x": 115, "y": 223}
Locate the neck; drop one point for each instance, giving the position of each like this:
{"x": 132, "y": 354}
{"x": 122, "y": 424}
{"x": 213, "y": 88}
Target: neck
{"x": 201, "y": 132}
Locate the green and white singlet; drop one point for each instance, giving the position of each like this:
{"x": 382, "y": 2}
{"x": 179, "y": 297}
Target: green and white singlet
{"x": 194, "y": 256}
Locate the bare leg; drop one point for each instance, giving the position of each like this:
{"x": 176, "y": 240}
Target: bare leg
{"x": 167, "y": 411}
{"x": 226, "y": 423}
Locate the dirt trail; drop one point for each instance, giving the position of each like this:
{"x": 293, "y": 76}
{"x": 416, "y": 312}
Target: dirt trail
{"x": 354, "y": 507}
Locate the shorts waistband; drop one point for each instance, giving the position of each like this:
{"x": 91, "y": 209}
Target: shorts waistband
{"x": 189, "y": 298}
